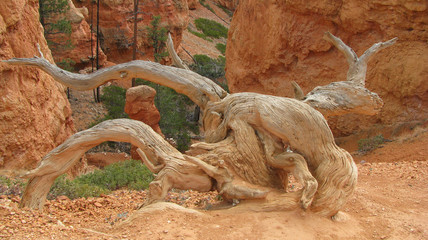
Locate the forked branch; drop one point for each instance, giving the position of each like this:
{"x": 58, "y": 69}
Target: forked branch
{"x": 350, "y": 96}
{"x": 357, "y": 65}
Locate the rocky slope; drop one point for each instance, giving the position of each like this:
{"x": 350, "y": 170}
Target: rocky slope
{"x": 272, "y": 43}
{"x": 35, "y": 115}
{"x": 390, "y": 202}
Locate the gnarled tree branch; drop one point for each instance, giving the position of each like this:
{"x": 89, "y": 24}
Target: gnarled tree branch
{"x": 348, "y": 96}
{"x": 176, "y": 172}
{"x": 198, "y": 88}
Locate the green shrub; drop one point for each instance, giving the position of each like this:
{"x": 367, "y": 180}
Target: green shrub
{"x": 221, "y": 47}
{"x": 211, "y": 28}
{"x": 206, "y": 5}
{"x": 114, "y": 99}
{"x": 208, "y": 67}
{"x": 131, "y": 174}
{"x": 227, "y": 11}
{"x": 10, "y": 186}
{"x": 73, "y": 189}
{"x": 67, "y": 64}
{"x": 198, "y": 34}
{"x": 369, "y": 144}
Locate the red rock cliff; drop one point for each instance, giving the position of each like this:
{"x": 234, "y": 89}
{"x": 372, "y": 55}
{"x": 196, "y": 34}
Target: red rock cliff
{"x": 35, "y": 115}
{"x": 116, "y": 25}
{"x": 274, "y": 42}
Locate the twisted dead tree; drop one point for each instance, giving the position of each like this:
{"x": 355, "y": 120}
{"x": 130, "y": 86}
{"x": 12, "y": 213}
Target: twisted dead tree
{"x": 350, "y": 96}
{"x": 253, "y": 141}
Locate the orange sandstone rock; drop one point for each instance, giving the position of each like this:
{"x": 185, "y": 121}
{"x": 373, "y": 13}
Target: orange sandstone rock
{"x": 35, "y": 115}
{"x": 140, "y": 106}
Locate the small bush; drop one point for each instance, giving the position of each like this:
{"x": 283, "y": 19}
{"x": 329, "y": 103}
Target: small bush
{"x": 208, "y": 67}
{"x": 221, "y": 47}
{"x": 114, "y": 99}
{"x": 67, "y": 64}
{"x": 9, "y": 186}
{"x": 206, "y": 5}
{"x": 73, "y": 189}
{"x": 227, "y": 11}
{"x": 369, "y": 144}
{"x": 211, "y": 28}
{"x": 129, "y": 174}
{"x": 198, "y": 34}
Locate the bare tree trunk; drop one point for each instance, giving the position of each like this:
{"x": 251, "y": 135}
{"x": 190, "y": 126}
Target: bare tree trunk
{"x": 253, "y": 141}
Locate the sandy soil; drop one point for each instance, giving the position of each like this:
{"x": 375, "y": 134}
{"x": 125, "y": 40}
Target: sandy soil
{"x": 390, "y": 202}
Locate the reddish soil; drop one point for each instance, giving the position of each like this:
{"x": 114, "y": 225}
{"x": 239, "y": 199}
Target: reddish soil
{"x": 390, "y": 202}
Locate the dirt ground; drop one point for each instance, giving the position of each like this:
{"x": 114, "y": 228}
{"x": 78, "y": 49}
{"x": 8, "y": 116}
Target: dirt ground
{"x": 390, "y": 202}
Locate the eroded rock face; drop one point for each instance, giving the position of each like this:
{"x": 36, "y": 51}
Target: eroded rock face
{"x": 116, "y": 25}
{"x": 35, "y": 115}
{"x": 272, "y": 43}
{"x": 140, "y": 106}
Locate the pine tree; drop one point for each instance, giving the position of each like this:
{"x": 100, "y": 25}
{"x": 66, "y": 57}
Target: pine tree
{"x": 54, "y": 23}
{"x": 157, "y": 36}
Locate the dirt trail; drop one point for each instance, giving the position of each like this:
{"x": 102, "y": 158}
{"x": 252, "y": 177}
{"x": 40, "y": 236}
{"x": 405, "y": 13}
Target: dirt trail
{"x": 390, "y": 202}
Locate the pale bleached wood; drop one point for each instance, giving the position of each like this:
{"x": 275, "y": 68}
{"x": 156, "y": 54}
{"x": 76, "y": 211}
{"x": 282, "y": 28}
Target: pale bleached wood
{"x": 248, "y": 136}
{"x": 357, "y": 65}
{"x": 199, "y": 89}
{"x": 350, "y": 96}
{"x": 176, "y": 60}
{"x": 176, "y": 172}
{"x": 293, "y": 123}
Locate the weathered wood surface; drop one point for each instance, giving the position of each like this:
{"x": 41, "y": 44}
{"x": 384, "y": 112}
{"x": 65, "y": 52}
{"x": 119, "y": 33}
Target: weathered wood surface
{"x": 199, "y": 89}
{"x": 350, "y": 96}
{"x": 253, "y": 141}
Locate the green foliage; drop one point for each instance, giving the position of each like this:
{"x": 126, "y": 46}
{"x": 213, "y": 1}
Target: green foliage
{"x": 369, "y": 144}
{"x": 54, "y": 22}
{"x": 206, "y": 5}
{"x": 198, "y": 34}
{"x": 73, "y": 189}
{"x": 129, "y": 174}
{"x": 176, "y": 119}
{"x": 157, "y": 37}
{"x": 67, "y": 64}
{"x": 9, "y": 186}
{"x": 208, "y": 67}
{"x": 211, "y": 28}
{"x": 221, "y": 47}
{"x": 114, "y": 99}
{"x": 227, "y": 11}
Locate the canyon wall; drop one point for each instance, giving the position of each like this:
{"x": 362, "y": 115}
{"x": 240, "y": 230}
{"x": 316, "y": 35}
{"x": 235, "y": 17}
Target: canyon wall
{"x": 117, "y": 26}
{"x": 272, "y": 43}
{"x": 35, "y": 115}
